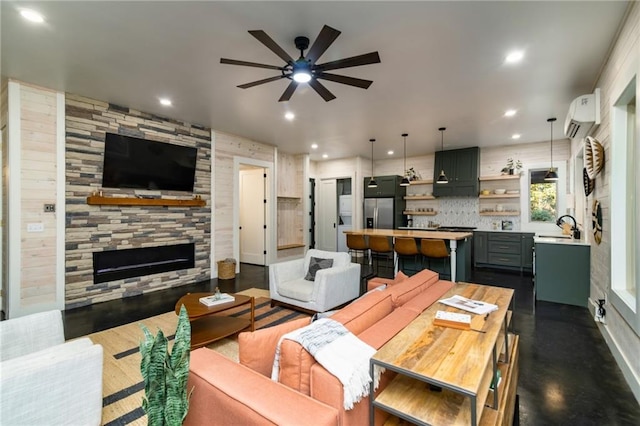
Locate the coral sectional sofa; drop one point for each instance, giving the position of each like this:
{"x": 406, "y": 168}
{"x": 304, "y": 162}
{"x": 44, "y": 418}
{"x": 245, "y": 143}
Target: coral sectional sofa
{"x": 230, "y": 393}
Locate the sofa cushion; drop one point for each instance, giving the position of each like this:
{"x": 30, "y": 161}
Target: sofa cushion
{"x": 428, "y": 297}
{"x": 295, "y": 366}
{"x": 382, "y": 331}
{"x": 299, "y": 289}
{"x": 315, "y": 264}
{"x": 376, "y": 282}
{"x": 364, "y": 312}
{"x": 409, "y": 288}
{"x": 339, "y": 258}
{"x": 257, "y": 349}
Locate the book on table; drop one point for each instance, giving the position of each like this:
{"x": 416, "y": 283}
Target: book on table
{"x": 217, "y": 299}
{"x": 474, "y": 306}
{"x": 452, "y": 319}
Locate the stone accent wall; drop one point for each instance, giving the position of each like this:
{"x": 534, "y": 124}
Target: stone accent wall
{"x": 97, "y": 228}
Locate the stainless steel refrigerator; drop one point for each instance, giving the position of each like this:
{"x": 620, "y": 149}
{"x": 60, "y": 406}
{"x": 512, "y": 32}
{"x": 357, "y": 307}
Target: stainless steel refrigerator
{"x": 379, "y": 213}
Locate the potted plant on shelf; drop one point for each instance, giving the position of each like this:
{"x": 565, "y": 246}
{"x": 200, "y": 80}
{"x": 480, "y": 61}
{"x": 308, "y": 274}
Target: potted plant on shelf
{"x": 511, "y": 166}
{"x": 165, "y": 374}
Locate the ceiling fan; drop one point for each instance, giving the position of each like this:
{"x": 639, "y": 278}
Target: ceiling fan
{"x": 305, "y": 69}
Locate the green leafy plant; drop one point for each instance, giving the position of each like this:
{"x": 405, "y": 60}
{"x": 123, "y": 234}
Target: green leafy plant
{"x": 165, "y": 374}
{"x": 512, "y": 165}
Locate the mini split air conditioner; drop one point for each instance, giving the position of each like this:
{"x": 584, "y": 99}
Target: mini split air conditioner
{"x": 583, "y": 116}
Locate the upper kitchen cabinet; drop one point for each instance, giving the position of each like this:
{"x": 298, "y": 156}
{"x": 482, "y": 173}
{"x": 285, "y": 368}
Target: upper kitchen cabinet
{"x": 461, "y": 167}
{"x": 388, "y": 186}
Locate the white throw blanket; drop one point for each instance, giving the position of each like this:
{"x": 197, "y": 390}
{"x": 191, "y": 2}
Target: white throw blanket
{"x": 340, "y": 352}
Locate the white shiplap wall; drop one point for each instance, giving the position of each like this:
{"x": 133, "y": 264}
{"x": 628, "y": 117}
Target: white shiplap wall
{"x": 622, "y": 339}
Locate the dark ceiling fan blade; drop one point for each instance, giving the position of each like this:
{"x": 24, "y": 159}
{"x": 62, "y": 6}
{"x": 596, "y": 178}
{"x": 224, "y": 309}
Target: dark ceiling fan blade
{"x": 272, "y": 45}
{"x": 256, "y": 83}
{"x": 322, "y": 91}
{"x": 288, "y": 91}
{"x": 351, "y": 81}
{"x": 327, "y": 36}
{"x": 354, "y": 61}
{"x": 249, "y": 64}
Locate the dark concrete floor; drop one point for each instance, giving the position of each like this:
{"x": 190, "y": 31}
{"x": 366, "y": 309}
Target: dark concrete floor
{"x": 567, "y": 373}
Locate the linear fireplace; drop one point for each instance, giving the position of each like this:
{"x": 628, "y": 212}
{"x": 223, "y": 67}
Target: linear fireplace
{"x": 127, "y": 263}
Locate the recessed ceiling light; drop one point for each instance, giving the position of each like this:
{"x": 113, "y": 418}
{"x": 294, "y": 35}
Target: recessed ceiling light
{"x": 514, "y": 57}
{"x": 390, "y": 152}
{"x": 289, "y": 116}
{"x": 165, "y": 101}
{"x": 515, "y": 136}
{"x": 325, "y": 155}
{"x": 314, "y": 146}
{"x": 32, "y": 15}
{"x": 510, "y": 113}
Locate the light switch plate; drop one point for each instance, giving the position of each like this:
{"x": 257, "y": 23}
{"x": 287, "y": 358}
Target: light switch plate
{"x": 35, "y": 227}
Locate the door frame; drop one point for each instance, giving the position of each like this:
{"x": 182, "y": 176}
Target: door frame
{"x": 260, "y": 173}
{"x": 270, "y": 188}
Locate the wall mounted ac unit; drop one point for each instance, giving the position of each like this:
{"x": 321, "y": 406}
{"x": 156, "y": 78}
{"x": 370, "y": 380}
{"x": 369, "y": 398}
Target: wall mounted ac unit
{"x": 583, "y": 116}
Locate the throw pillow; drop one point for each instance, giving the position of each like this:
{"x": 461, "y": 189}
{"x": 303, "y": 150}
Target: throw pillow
{"x": 315, "y": 264}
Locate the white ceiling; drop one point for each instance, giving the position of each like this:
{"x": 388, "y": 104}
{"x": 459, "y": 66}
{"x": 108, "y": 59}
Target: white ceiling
{"x": 442, "y": 65}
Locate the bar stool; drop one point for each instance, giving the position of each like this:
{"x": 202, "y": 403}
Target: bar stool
{"x": 382, "y": 248}
{"x": 357, "y": 244}
{"x": 435, "y": 249}
{"x": 406, "y": 248}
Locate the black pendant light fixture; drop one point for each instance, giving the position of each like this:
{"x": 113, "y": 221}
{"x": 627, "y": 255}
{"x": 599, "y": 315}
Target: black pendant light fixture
{"x": 405, "y": 179}
{"x": 551, "y": 175}
{"x": 442, "y": 178}
{"x": 372, "y": 182}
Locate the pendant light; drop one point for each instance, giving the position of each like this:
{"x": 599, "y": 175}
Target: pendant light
{"x": 551, "y": 175}
{"x": 442, "y": 178}
{"x": 405, "y": 179}
{"x": 372, "y": 182}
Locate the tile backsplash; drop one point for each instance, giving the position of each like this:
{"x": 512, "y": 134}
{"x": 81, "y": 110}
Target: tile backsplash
{"x": 463, "y": 211}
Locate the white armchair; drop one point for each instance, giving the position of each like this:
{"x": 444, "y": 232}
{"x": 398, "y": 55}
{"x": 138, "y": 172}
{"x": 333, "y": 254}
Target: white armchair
{"x": 44, "y": 380}
{"x": 332, "y": 287}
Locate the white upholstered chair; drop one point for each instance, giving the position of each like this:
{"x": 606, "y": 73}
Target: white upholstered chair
{"x": 332, "y": 287}
{"x": 45, "y": 381}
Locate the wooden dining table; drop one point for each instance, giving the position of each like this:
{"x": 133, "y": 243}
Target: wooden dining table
{"x": 456, "y": 240}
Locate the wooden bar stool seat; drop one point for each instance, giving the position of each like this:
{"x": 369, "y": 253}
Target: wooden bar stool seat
{"x": 405, "y": 248}
{"x": 358, "y": 244}
{"x": 435, "y": 249}
{"x": 381, "y": 247}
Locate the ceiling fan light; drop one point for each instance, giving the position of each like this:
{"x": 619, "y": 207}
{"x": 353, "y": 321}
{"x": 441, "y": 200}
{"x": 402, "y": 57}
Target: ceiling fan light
{"x": 405, "y": 181}
{"x": 372, "y": 183}
{"x": 551, "y": 176}
{"x": 442, "y": 178}
{"x": 302, "y": 76}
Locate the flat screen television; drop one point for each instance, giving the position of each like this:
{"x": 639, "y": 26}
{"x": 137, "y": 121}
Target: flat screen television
{"x": 142, "y": 164}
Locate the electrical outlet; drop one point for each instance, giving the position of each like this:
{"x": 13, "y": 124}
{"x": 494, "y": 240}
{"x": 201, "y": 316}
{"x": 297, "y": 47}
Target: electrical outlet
{"x": 49, "y": 208}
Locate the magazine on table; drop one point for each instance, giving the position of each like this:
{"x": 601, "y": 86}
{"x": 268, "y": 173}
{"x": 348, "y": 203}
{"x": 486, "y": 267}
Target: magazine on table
{"x": 217, "y": 299}
{"x": 474, "y": 306}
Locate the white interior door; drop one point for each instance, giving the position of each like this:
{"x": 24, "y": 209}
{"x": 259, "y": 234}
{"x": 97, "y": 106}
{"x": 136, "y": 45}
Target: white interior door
{"x": 252, "y": 216}
{"x": 327, "y": 215}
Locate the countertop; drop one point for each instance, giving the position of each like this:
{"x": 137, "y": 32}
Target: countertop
{"x": 412, "y": 233}
{"x": 540, "y": 239}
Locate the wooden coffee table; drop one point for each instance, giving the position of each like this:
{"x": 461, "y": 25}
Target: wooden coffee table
{"x": 207, "y": 327}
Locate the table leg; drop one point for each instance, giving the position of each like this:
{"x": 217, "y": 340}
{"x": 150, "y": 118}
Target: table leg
{"x": 453, "y": 244}
{"x": 253, "y": 313}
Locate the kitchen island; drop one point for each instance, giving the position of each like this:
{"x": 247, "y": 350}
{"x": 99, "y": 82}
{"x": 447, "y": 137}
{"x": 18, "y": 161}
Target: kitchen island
{"x": 562, "y": 270}
{"x": 459, "y": 246}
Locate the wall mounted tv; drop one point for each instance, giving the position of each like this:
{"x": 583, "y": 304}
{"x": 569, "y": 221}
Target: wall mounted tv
{"x": 142, "y": 164}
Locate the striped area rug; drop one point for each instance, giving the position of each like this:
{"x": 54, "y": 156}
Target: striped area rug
{"x": 123, "y": 388}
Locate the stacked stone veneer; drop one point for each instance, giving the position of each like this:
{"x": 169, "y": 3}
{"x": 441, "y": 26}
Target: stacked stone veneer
{"x": 96, "y": 228}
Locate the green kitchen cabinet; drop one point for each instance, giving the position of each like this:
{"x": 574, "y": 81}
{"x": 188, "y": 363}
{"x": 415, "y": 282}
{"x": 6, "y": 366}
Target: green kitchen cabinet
{"x": 503, "y": 250}
{"x": 461, "y": 167}
{"x": 388, "y": 186}
{"x": 562, "y": 273}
